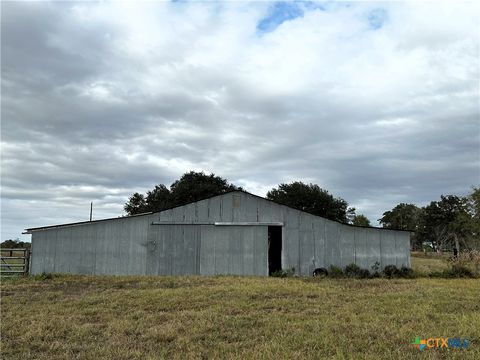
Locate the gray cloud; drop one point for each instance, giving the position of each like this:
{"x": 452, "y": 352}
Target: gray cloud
{"x": 100, "y": 100}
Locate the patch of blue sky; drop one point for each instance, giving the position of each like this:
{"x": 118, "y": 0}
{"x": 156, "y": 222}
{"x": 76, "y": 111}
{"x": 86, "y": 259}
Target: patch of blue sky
{"x": 376, "y": 18}
{"x": 278, "y": 13}
{"x": 315, "y": 5}
{"x": 282, "y": 11}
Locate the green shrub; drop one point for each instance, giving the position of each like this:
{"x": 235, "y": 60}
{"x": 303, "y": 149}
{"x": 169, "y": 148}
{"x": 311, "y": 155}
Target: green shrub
{"x": 391, "y": 271}
{"x": 351, "y": 270}
{"x": 354, "y": 271}
{"x": 43, "y": 276}
{"x": 406, "y": 272}
{"x": 335, "y": 271}
{"x": 364, "y": 274}
{"x": 375, "y": 267}
{"x": 459, "y": 271}
{"x": 284, "y": 273}
{"x": 438, "y": 274}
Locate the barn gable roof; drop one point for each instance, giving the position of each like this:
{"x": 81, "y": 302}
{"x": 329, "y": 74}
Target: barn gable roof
{"x": 30, "y": 230}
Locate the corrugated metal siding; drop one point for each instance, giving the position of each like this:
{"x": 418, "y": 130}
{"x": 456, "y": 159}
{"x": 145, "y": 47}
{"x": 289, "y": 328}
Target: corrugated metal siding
{"x": 114, "y": 247}
{"x": 135, "y": 246}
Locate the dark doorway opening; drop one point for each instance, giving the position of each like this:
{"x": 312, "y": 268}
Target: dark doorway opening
{"x": 274, "y": 249}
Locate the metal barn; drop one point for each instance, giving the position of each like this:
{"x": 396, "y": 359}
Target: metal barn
{"x": 233, "y": 233}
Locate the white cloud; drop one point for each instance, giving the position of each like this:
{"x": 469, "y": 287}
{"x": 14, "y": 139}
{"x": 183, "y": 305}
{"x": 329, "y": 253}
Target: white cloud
{"x": 103, "y": 99}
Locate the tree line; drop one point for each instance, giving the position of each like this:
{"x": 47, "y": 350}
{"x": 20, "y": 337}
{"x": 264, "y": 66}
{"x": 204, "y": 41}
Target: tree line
{"x": 451, "y": 223}
{"x": 14, "y": 244}
{"x": 194, "y": 186}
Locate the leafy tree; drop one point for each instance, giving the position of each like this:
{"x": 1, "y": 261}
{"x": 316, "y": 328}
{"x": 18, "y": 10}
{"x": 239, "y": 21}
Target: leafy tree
{"x": 312, "y": 199}
{"x": 453, "y": 222}
{"x": 444, "y": 223}
{"x": 473, "y": 221}
{"x": 158, "y": 198}
{"x": 474, "y": 204}
{"x": 464, "y": 229}
{"x": 136, "y": 204}
{"x": 361, "y": 220}
{"x": 192, "y": 186}
{"x": 404, "y": 217}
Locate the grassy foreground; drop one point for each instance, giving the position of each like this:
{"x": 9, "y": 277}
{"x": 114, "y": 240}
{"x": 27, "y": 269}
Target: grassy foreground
{"x": 79, "y": 317}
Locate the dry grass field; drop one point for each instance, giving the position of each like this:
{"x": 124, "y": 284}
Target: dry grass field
{"x": 81, "y": 317}
{"x": 425, "y": 263}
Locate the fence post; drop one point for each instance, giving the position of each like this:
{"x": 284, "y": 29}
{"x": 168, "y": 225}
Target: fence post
{"x": 27, "y": 261}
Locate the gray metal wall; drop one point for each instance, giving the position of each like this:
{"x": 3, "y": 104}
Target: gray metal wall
{"x": 113, "y": 247}
{"x": 188, "y": 242}
{"x": 207, "y": 250}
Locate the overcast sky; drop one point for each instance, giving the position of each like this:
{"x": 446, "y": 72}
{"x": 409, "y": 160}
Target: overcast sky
{"x": 376, "y": 102}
